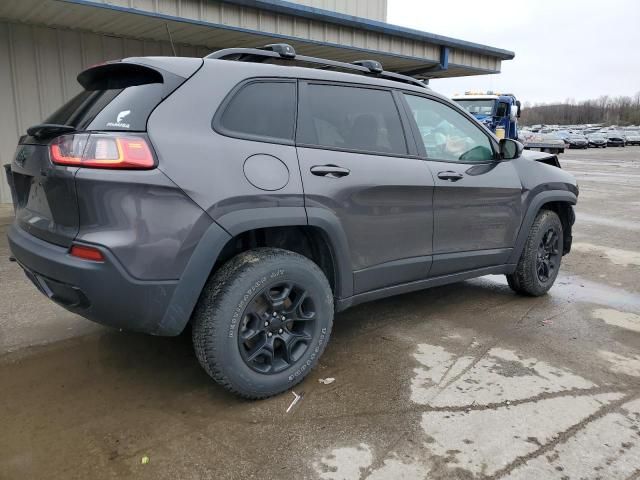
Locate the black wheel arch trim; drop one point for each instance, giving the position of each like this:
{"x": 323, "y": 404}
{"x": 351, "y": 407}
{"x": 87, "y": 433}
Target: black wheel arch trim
{"x": 192, "y": 281}
{"x": 534, "y": 207}
{"x": 329, "y": 223}
{"x": 205, "y": 255}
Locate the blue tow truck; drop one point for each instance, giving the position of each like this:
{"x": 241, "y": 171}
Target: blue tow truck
{"x": 499, "y": 112}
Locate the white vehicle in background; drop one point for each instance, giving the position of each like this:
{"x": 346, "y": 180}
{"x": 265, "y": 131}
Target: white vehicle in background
{"x": 632, "y": 135}
{"x": 544, "y": 142}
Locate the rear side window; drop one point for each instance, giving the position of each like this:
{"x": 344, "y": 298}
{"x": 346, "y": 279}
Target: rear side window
{"x": 117, "y": 96}
{"x": 130, "y": 108}
{"x": 351, "y": 118}
{"x": 263, "y": 110}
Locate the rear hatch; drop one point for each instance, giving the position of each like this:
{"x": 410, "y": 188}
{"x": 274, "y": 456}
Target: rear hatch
{"x": 117, "y": 97}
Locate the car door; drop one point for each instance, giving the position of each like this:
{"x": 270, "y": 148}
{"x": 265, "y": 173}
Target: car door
{"x": 359, "y": 170}
{"x": 477, "y": 197}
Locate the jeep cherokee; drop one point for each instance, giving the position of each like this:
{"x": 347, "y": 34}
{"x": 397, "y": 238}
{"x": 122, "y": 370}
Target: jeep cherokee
{"x": 255, "y": 192}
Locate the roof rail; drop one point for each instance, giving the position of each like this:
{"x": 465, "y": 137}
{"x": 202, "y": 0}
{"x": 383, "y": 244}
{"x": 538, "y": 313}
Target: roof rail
{"x": 287, "y": 52}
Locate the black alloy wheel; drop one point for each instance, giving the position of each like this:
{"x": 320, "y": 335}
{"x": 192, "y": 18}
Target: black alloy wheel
{"x": 262, "y": 321}
{"x": 539, "y": 262}
{"x": 548, "y": 257}
{"x": 277, "y": 328}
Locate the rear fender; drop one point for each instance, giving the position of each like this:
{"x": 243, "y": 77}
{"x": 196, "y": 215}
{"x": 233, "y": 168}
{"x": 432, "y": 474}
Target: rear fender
{"x": 205, "y": 255}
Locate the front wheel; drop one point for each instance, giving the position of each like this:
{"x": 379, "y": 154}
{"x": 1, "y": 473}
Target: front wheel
{"x": 263, "y": 321}
{"x": 539, "y": 263}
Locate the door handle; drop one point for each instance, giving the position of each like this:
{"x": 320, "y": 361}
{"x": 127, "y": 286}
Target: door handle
{"x": 449, "y": 175}
{"x": 331, "y": 171}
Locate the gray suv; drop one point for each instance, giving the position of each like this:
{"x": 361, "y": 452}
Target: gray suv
{"x": 255, "y": 192}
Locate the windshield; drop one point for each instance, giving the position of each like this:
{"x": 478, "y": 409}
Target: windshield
{"x": 482, "y": 107}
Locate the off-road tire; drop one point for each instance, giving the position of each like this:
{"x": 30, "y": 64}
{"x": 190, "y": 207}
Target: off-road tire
{"x": 525, "y": 279}
{"x": 219, "y": 314}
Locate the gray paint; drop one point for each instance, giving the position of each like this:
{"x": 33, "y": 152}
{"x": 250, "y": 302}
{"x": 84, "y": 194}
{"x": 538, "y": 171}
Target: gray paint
{"x": 392, "y": 225}
{"x": 44, "y": 45}
{"x": 481, "y": 211}
{"x": 39, "y": 69}
{"x": 384, "y": 205}
{"x": 266, "y": 172}
{"x": 214, "y": 174}
{"x": 50, "y": 209}
{"x": 142, "y": 217}
{"x": 117, "y": 299}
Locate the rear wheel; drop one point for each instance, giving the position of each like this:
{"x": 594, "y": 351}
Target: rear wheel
{"x": 263, "y": 321}
{"x": 540, "y": 261}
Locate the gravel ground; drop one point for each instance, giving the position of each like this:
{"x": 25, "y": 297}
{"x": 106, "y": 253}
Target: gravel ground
{"x": 465, "y": 381}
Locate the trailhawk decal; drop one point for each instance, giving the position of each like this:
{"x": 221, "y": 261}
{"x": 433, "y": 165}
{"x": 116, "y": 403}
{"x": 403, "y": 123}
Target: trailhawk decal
{"x": 119, "y": 120}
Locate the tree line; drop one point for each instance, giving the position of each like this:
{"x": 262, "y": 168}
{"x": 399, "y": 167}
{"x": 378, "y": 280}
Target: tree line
{"x": 605, "y": 109}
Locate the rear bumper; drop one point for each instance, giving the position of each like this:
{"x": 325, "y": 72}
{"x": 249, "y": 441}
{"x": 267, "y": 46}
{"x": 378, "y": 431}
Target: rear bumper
{"x": 99, "y": 291}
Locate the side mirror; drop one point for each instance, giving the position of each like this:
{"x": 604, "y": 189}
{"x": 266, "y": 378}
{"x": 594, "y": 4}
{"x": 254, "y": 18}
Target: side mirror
{"x": 519, "y": 108}
{"x": 510, "y": 149}
{"x": 515, "y": 112}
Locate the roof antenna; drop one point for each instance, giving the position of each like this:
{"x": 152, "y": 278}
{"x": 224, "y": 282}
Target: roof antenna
{"x": 171, "y": 40}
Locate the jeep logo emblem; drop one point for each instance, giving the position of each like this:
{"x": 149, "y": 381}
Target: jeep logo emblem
{"x": 21, "y": 157}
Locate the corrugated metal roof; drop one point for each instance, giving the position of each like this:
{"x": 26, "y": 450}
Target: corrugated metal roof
{"x": 296, "y": 9}
{"x": 239, "y": 23}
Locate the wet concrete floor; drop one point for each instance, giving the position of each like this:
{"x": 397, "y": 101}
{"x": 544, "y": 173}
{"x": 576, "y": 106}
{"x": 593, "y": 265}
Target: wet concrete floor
{"x": 460, "y": 382}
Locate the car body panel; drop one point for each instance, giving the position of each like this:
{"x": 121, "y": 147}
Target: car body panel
{"x": 476, "y": 217}
{"x": 385, "y": 208}
{"x": 127, "y": 212}
{"x": 45, "y": 197}
{"x": 390, "y": 224}
{"x": 209, "y": 166}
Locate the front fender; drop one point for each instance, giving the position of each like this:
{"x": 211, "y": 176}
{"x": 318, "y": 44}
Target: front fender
{"x": 535, "y": 204}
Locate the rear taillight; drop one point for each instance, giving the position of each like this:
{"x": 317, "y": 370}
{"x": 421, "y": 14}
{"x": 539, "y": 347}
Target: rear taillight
{"x": 102, "y": 150}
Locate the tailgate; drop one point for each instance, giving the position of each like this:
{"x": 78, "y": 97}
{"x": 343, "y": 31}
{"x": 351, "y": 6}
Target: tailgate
{"x": 44, "y": 195}
{"x": 117, "y": 96}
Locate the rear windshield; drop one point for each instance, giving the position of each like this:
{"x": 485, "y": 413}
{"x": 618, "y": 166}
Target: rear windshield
{"x": 116, "y": 99}
{"x": 82, "y": 108}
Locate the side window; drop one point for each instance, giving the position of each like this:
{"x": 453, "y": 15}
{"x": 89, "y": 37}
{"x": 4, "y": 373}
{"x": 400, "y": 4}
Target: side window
{"x": 262, "y": 110}
{"x": 448, "y": 135}
{"x": 351, "y": 118}
{"x": 502, "y": 109}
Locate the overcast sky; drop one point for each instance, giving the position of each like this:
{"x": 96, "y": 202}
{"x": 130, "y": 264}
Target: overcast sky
{"x": 564, "y": 48}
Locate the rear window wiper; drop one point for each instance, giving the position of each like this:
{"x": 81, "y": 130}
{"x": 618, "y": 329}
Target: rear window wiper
{"x": 45, "y": 130}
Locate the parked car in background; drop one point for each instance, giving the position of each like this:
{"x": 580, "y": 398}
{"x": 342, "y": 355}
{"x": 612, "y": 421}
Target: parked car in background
{"x": 632, "y": 136}
{"x": 615, "y": 139}
{"x": 577, "y": 140}
{"x": 543, "y": 142}
{"x": 597, "y": 140}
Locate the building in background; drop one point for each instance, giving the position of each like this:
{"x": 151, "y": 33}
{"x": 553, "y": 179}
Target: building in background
{"x": 44, "y": 44}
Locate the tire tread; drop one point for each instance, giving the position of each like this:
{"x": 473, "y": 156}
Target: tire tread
{"x": 524, "y": 280}
{"x": 205, "y": 328}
